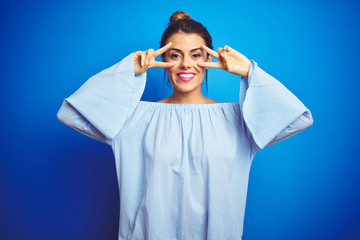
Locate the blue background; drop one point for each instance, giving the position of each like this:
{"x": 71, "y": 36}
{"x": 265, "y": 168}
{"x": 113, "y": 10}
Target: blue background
{"x": 56, "y": 183}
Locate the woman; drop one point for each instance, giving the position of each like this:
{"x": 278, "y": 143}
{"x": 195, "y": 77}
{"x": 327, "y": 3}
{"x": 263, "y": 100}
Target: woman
{"x": 183, "y": 162}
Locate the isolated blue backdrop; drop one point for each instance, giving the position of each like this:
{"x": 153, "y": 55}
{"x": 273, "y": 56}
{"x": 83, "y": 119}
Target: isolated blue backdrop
{"x": 56, "y": 183}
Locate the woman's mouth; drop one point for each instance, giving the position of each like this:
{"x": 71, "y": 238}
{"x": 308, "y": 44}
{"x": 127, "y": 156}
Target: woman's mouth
{"x": 185, "y": 76}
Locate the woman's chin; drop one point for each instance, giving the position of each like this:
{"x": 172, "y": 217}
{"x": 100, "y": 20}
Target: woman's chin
{"x": 185, "y": 89}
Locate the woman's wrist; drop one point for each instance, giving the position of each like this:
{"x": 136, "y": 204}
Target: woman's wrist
{"x": 245, "y": 74}
{"x": 247, "y": 68}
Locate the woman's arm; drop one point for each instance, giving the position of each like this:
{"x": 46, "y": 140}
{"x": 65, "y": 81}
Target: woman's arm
{"x": 270, "y": 111}
{"x": 102, "y": 105}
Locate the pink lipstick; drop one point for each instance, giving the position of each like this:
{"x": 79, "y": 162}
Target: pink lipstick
{"x": 186, "y": 76}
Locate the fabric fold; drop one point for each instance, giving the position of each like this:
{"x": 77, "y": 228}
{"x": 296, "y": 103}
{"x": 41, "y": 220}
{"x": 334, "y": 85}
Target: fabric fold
{"x": 102, "y": 105}
{"x": 271, "y": 112}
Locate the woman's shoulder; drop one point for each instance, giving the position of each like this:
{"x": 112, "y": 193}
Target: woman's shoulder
{"x": 163, "y": 101}
{"x": 211, "y": 101}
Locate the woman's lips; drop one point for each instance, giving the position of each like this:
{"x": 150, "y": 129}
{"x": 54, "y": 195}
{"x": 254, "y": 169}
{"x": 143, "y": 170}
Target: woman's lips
{"x": 185, "y": 76}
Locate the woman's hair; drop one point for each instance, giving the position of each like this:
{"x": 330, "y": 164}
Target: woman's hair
{"x": 182, "y": 22}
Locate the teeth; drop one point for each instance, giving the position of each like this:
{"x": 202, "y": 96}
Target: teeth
{"x": 186, "y": 75}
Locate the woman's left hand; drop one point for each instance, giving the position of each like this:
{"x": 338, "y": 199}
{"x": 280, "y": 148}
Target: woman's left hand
{"x": 230, "y": 60}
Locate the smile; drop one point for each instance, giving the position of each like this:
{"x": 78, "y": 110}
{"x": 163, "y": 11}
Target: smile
{"x": 185, "y": 76}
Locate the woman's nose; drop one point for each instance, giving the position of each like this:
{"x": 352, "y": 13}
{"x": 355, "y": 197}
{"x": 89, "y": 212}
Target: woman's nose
{"x": 185, "y": 63}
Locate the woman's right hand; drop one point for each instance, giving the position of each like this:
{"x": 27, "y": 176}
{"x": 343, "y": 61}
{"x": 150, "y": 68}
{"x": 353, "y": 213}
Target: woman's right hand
{"x": 144, "y": 60}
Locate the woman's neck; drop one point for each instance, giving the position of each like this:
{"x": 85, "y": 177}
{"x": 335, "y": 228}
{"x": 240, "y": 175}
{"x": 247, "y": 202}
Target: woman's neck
{"x": 188, "y": 98}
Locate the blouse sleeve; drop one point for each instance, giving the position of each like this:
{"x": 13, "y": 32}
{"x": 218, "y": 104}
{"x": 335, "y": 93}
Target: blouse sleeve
{"x": 270, "y": 111}
{"x": 101, "y": 106}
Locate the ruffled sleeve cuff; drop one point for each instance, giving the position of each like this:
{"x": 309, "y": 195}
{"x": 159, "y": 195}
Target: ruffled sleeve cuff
{"x": 270, "y": 111}
{"x": 106, "y": 100}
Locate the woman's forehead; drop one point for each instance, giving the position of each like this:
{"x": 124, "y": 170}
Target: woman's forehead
{"x": 186, "y": 41}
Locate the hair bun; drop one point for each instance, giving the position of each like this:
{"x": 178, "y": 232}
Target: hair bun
{"x": 179, "y": 16}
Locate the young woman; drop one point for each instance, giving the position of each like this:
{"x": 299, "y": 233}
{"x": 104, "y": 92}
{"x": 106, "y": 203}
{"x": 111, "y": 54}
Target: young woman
{"x": 183, "y": 162}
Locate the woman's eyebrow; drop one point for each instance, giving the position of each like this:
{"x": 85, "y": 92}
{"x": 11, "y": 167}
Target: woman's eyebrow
{"x": 181, "y": 51}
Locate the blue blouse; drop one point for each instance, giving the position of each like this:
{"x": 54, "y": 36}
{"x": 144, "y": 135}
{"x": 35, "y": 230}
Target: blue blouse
{"x": 182, "y": 169}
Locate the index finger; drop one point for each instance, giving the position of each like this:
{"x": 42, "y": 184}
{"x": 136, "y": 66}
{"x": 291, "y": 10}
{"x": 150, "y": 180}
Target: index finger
{"x": 163, "y": 49}
{"x": 210, "y": 51}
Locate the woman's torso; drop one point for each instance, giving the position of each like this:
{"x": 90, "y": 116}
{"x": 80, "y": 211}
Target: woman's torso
{"x": 183, "y": 171}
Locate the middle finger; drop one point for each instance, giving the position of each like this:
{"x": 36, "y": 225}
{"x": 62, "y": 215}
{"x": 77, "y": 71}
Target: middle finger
{"x": 210, "y": 51}
{"x": 162, "y": 50}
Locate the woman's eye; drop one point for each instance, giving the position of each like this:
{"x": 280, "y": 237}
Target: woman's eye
{"x": 196, "y": 55}
{"x": 175, "y": 56}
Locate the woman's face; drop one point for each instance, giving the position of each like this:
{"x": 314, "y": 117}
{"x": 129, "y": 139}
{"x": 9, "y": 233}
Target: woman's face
{"x": 186, "y": 52}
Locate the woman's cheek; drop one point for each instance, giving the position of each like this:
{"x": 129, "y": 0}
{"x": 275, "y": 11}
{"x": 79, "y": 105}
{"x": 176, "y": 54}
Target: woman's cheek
{"x": 199, "y": 69}
{"x": 171, "y": 69}
{"x": 176, "y": 63}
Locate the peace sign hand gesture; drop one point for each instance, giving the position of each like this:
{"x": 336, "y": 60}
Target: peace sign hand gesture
{"x": 229, "y": 60}
{"x": 143, "y": 60}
